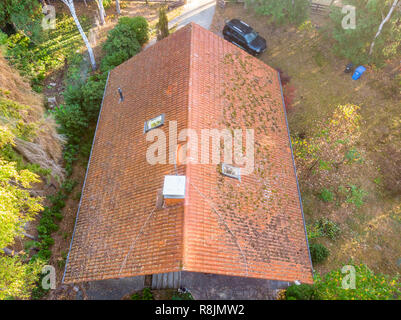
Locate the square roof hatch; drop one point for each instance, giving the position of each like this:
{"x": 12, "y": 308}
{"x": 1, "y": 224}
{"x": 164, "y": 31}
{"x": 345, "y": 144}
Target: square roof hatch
{"x": 174, "y": 187}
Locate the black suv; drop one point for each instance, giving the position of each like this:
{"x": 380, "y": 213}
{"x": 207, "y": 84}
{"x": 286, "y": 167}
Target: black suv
{"x": 242, "y": 35}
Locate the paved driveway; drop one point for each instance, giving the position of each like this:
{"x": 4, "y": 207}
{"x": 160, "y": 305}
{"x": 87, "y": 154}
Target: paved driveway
{"x": 199, "y": 11}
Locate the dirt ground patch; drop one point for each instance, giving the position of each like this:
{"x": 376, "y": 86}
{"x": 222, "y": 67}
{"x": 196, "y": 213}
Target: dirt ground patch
{"x": 369, "y": 233}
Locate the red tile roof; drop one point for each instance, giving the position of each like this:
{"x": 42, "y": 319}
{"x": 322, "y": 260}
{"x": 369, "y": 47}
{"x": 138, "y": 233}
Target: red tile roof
{"x": 252, "y": 228}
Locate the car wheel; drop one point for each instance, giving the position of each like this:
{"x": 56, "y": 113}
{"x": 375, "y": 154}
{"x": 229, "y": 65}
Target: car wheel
{"x": 251, "y": 52}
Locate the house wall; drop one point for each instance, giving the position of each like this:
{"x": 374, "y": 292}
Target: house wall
{"x": 204, "y": 286}
{"x": 111, "y": 289}
{"x": 219, "y": 287}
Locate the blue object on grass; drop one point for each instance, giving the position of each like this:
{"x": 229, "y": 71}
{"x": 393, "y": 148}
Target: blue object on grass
{"x": 358, "y": 72}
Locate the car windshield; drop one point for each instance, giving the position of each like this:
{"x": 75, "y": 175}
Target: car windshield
{"x": 251, "y": 36}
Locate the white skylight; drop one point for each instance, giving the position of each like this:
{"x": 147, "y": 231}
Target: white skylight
{"x": 154, "y": 123}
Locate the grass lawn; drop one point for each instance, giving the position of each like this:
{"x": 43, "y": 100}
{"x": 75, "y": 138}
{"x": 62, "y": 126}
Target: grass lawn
{"x": 344, "y": 155}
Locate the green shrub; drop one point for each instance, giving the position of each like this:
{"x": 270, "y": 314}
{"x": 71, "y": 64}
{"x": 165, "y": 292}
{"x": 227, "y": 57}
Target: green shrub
{"x": 57, "y": 201}
{"x": 38, "y": 292}
{"x": 121, "y": 44}
{"x": 76, "y": 76}
{"x": 68, "y": 185}
{"x": 182, "y": 296}
{"x": 45, "y": 242}
{"x": 328, "y": 228}
{"x": 86, "y": 148}
{"x": 36, "y": 168}
{"x": 313, "y": 231}
{"x": 114, "y": 59}
{"x": 61, "y": 263}
{"x": 3, "y": 38}
{"x": 325, "y": 165}
{"x": 62, "y": 260}
{"x": 58, "y": 216}
{"x": 28, "y": 245}
{"x": 44, "y": 254}
{"x": 145, "y": 294}
{"x": 139, "y": 25}
{"x": 92, "y": 93}
{"x": 356, "y": 196}
{"x": 326, "y": 195}
{"x": 319, "y": 253}
{"x": 70, "y": 153}
{"x": 353, "y": 155}
{"x": 72, "y": 121}
{"x": 73, "y": 94}
{"x": 77, "y": 69}
{"x": 323, "y": 228}
{"x": 300, "y": 292}
{"x": 46, "y": 226}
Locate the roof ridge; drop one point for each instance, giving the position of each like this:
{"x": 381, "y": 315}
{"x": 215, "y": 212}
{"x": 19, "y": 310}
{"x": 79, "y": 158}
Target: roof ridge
{"x": 188, "y": 166}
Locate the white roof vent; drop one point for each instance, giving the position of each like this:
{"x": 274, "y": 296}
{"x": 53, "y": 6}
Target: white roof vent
{"x": 174, "y": 187}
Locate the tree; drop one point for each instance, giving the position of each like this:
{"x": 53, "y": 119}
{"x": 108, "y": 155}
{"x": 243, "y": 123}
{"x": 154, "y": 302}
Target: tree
{"x": 23, "y": 15}
{"x": 387, "y": 18}
{"x": 17, "y": 279}
{"x": 102, "y": 12}
{"x": 162, "y": 25}
{"x": 124, "y": 41}
{"x": 282, "y": 11}
{"x": 17, "y": 207}
{"x": 118, "y": 7}
{"x": 70, "y": 5}
{"x": 356, "y": 44}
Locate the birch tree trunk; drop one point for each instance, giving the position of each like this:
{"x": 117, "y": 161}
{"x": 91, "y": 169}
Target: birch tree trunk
{"x": 118, "y": 7}
{"x": 382, "y": 24}
{"x": 8, "y": 252}
{"x": 29, "y": 236}
{"x": 70, "y": 5}
{"x": 102, "y": 12}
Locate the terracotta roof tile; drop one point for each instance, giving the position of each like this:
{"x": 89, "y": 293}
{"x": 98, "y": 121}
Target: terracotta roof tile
{"x": 253, "y": 227}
